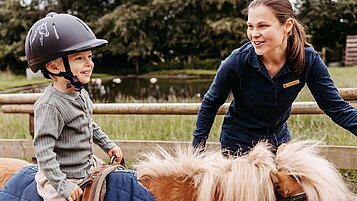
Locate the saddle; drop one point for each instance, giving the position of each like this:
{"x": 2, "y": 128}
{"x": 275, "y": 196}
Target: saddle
{"x": 94, "y": 185}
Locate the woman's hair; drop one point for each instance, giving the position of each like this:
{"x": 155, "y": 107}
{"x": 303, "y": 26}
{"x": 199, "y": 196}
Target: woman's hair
{"x": 297, "y": 39}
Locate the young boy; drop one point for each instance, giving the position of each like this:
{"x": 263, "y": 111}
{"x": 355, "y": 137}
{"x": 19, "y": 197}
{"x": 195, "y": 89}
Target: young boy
{"x": 60, "y": 46}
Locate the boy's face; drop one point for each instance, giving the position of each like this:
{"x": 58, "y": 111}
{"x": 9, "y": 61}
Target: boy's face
{"x": 81, "y": 66}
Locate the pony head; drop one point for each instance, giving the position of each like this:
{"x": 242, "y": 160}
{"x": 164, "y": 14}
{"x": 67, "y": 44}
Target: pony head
{"x": 300, "y": 167}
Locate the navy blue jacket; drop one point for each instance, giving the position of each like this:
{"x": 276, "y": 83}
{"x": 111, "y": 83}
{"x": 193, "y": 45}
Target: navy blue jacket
{"x": 262, "y": 105}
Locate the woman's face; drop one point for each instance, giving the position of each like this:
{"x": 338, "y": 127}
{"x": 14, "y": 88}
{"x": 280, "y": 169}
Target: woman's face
{"x": 266, "y": 33}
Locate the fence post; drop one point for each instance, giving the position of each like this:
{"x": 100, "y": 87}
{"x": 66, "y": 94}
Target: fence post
{"x": 323, "y": 54}
{"x": 32, "y": 125}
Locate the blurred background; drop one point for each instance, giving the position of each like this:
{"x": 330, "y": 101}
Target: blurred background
{"x": 152, "y": 35}
{"x": 169, "y": 51}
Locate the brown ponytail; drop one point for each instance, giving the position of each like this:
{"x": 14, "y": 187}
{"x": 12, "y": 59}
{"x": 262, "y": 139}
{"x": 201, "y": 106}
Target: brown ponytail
{"x": 296, "y": 43}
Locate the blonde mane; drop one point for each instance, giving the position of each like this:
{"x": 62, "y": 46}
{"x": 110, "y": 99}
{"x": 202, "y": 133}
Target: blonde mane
{"x": 211, "y": 175}
{"x": 320, "y": 180}
{"x": 184, "y": 175}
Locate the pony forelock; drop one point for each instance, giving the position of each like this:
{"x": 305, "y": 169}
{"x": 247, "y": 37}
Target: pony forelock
{"x": 320, "y": 181}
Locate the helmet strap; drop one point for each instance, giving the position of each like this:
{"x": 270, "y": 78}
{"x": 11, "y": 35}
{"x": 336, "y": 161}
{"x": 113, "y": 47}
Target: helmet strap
{"x": 78, "y": 86}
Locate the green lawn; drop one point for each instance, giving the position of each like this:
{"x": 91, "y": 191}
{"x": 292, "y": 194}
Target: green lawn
{"x": 9, "y": 80}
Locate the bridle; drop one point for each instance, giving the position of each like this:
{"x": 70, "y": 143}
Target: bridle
{"x": 297, "y": 197}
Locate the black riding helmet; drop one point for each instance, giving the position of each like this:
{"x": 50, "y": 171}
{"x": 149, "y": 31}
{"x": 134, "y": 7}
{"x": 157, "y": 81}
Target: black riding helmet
{"x": 55, "y": 36}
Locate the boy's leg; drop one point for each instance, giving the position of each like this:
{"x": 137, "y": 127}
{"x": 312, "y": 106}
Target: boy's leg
{"x": 45, "y": 189}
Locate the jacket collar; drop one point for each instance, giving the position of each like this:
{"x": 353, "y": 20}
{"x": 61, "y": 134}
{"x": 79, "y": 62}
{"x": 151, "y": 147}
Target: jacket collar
{"x": 255, "y": 61}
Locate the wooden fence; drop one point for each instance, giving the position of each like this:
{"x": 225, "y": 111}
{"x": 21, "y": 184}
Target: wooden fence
{"x": 351, "y": 50}
{"x": 342, "y": 156}
{"x": 23, "y": 103}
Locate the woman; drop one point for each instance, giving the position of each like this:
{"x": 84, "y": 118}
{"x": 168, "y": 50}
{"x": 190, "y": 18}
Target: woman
{"x": 265, "y": 76}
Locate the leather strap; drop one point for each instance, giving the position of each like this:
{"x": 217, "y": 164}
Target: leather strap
{"x": 98, "y": 186}
{"x": 87, "y": 183}
{"x": 94, "y": 185}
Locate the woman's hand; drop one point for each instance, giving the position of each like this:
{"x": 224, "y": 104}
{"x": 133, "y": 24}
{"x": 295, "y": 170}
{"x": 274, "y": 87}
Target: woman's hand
{"x": 117, "y": 152}
{"x": 75, "y": 194}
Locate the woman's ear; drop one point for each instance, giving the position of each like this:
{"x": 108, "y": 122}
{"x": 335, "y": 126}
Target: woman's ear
{"x": 289, "y": 24}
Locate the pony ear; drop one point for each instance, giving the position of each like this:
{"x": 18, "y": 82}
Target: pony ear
{"x": 281, "y": 148}
{"x": 274, "y": 177}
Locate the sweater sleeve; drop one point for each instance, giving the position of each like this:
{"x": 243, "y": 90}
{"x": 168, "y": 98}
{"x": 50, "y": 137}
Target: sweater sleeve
{"x": 48, "y": 127}
{"x": 101, "y": 139}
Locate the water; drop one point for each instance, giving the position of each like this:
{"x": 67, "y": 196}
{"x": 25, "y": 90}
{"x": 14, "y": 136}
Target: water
{"x": 147, "y": 90}
{"x": 135, "y": 89}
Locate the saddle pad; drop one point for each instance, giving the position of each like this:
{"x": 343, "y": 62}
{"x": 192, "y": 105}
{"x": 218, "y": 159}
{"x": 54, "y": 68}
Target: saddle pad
{"x": 21, "y": 186}
{"x": 123, "y": 185}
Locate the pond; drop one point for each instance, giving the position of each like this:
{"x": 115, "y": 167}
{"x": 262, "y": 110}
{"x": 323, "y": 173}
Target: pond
{"x": 138, "y": 89}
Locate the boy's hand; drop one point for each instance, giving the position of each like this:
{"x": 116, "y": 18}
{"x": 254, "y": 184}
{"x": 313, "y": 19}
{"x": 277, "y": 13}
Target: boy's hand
{"x": 75, "y": 194}
{"x": 117, "y": 152}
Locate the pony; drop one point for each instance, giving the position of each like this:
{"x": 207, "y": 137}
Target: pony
{"x": 183, "y": 174}
{"x": 296, "y": 169}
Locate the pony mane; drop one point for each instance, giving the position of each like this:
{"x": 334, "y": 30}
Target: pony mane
{"x": 248, "y": 177}
{"x": 181, "y": 162}
{"x": 319, "y": 178}
{"x": 213, "y": 176}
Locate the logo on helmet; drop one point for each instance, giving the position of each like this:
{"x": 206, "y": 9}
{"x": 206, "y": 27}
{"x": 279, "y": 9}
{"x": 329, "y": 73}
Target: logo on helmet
{"x": 43, "y": 31}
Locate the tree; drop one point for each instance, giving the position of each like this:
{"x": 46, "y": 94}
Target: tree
{"x": 329, "y": 22}
{"x": 87, "y": 10}
{"x": 174, "y": 29}
{"x": 13, "y": 26}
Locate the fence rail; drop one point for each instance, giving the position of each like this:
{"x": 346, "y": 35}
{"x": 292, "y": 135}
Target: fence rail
{"x": 344, "y": 157}
{"x": 30, "y": 98}
{"x": 23, "y": 103}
